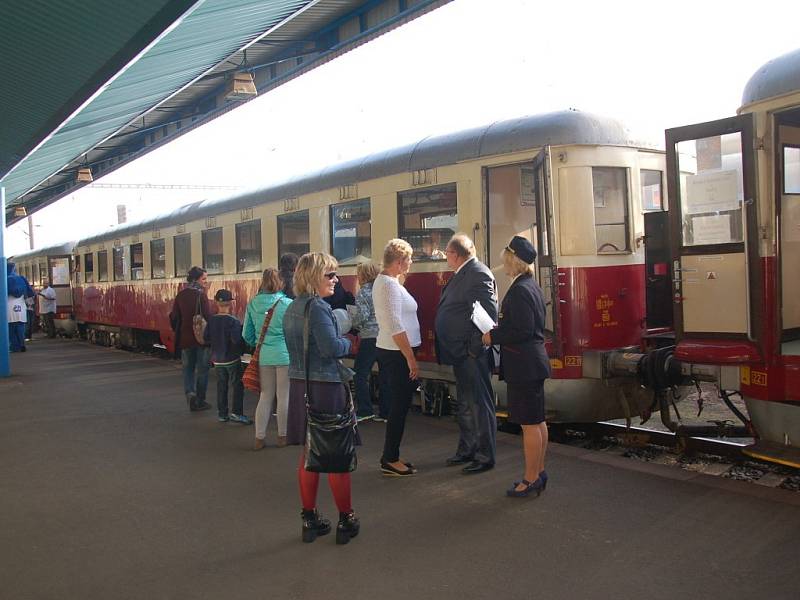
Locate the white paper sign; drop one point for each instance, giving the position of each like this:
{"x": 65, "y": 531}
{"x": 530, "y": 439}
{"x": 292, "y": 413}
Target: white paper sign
{"x": 715, "y": 229}
{"x": 481, "y": 318}
{"x": 714, "y": 191}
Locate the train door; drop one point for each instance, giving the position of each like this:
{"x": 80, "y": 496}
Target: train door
{"x": 518, "y": 203}
{"x": 714, "y": 241}
{"x": 788, "y": 211}
{"x": 60, "y": 273}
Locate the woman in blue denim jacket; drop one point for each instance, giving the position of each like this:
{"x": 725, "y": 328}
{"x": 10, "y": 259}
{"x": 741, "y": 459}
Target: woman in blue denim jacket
{"x": 314, "y": 279}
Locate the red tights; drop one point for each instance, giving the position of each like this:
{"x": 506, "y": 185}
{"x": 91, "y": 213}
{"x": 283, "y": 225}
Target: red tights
{"x": 309, "y": 482}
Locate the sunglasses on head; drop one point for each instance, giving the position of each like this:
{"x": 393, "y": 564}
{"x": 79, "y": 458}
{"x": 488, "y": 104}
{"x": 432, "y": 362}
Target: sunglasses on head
{"x": 331, "y": 275}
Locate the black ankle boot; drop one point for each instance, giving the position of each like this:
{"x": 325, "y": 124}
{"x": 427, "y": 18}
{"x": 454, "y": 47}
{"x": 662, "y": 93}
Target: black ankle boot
{"x": 347, "y": 528}
{"x": 314, "y": 525}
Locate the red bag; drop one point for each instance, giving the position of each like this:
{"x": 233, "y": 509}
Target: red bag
{"x": 250, "y": 378}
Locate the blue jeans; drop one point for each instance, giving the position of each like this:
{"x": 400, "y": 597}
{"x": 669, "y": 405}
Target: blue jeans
{"x": 196, "y": 362}
{"x": 476, "y": 415}
{"x": 365, "y": 358}
{"x": 16, "y": 336}
{"x": 229, "y": 376}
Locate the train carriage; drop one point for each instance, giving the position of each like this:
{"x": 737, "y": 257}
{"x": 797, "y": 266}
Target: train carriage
{"x": 735, "y": 249}
{"x": 54, "y": 265}
{"x": 577, "y": 185}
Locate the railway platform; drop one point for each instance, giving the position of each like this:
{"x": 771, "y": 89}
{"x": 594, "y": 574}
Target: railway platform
{"x": 111, "y": 489}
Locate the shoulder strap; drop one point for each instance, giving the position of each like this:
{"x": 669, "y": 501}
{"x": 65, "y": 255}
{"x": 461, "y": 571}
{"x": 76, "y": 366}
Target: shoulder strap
{"x": 306, "y": 327}
{"x": 264, "y": 327}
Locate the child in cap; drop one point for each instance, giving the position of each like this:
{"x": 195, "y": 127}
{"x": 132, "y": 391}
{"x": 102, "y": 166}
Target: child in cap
{"x": 224, "y": 332}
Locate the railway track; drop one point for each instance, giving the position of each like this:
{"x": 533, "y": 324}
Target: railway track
{"x": 719, "y": 457}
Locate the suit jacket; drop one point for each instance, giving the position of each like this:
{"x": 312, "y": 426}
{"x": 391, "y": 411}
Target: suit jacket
{"x": 456, "y": 335}
{"x": 520, "y": 333}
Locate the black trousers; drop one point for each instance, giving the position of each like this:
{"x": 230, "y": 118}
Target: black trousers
{"x": 393, "y": 365}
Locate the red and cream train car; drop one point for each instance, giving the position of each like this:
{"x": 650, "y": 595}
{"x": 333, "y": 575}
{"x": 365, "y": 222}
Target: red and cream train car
{"x": 735, "y": 245}
{"x": 577, "y": 185}
{"x": 54, "y": 265}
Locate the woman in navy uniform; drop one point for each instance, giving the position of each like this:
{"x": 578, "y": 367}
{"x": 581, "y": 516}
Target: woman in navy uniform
{"x": 524, "y": 364}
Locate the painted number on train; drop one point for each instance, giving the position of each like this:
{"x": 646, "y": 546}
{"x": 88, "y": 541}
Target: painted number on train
{"x": 604, "y": 304}
{"x": 573, "y": 361}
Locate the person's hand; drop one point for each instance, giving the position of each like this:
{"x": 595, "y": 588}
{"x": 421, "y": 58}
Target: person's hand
{"x": 412, "y": 367}
{"x": 487, "y": 339}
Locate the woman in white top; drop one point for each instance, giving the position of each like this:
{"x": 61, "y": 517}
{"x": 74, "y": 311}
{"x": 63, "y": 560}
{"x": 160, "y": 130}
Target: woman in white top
{"x": 398, "y": 338}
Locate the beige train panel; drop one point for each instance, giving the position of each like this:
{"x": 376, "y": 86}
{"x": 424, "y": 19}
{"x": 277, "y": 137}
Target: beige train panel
{"x": 576, "y": 211}
{"x": 790, "y": 261}
{"x": 715, "y": 293}
{"x": 63, "y": 296}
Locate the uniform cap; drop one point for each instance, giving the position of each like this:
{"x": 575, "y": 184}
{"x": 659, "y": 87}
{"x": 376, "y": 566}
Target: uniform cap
{"x": 522, "y": 249}
{"x": 223, "y": 296}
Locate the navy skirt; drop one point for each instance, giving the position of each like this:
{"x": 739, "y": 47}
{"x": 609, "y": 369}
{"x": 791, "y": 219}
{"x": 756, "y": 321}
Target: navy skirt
{"x": 327, "y": 396}
{"x": 525, "y": 402}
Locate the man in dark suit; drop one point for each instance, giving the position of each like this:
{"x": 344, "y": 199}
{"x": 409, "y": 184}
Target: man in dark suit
{"x": 458, "y": 343}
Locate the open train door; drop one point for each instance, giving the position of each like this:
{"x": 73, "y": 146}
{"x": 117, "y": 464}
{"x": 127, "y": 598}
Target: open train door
{"x": 716, "y": 275}
{"x": 546, "y": 261}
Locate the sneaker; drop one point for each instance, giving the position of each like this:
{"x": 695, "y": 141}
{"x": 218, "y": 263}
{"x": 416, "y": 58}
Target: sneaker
{"x": 361, "y": 418}
{"x": 223, "y": 418}
{"x": 240, "y": 419}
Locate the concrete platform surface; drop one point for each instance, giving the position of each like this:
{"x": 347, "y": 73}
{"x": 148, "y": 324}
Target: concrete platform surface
{"x": 111, "y": 489}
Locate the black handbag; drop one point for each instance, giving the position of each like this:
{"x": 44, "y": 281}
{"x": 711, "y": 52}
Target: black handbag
{"x": 330, "y": 437}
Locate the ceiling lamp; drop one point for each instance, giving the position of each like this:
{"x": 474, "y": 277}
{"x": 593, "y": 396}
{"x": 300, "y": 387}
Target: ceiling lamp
{"x": 84, "y": 175}
{"x": 240, "y": 87}
{"x": 19, "y": 211}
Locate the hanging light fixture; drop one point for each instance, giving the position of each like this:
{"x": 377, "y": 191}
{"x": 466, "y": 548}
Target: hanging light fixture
{"x": 84, "y": 174}
{"x": 241, "y": 86}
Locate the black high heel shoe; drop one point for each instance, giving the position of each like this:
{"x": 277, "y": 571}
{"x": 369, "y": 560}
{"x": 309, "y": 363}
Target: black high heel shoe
{"x": 347, "y": 528}
{"x": 314, "y": 525}
{"x": 531, "y": 487}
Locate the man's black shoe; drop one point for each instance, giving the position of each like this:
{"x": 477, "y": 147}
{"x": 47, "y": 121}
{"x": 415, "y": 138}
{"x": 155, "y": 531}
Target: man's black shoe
{"x": 477, "y": 467}
{"x": 458, "y": 460}
{"x": 202, "y": 405}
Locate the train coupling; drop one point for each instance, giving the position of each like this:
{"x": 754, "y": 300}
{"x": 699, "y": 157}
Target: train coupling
{"x": 656, "y": 369}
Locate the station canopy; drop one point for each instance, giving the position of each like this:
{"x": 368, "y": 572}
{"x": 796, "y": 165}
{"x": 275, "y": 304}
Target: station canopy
{"x": 92, "y": 84}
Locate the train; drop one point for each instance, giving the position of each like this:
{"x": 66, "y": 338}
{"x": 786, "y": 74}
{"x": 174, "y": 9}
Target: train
{"x": 662, "y": 266}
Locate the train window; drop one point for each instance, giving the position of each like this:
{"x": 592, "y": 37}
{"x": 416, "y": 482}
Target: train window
{"x": 652, "y": 197}
{"x": 102, "y": 265}
{"x": 60, "y": 269}
{"x": 158, "y": 259}
{"x": 427, "y": 219}
{"x": 118, "y": 259}
{"x": 791, "y": 170}
{"x": 610, "y": 194}
{"x": 183, "y": 254}
{"x": 248, "y": 246}
{"x": 43, "y": 273}
{"x": 88, "y": 268}
{"x": 137, "y": 261}
{"x": 212, "y": 251}
{"x": 712, "y": 190}
{"x": 293, "y": 233}
{"x": 35, "y": 275}
{"x": 78, "y": 266}
{"x": 351, "y": 231}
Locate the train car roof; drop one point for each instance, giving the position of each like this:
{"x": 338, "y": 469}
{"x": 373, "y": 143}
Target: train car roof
{"x": 55, "y": 250}
{"x": 777, "y": 77}
{"x": 501, "y": 137}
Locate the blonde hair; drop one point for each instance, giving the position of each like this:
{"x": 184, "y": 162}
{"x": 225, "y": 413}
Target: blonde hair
{"x": 367, "y": 272}
{"x": 515, "y": 265}
{"x": 271, "y": 280}
{"x": 310, "y": 269}
{"x": 396, "y": 249}
{"x": 462, "y": 245}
